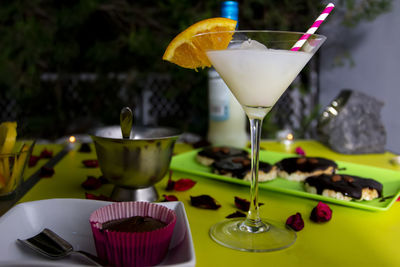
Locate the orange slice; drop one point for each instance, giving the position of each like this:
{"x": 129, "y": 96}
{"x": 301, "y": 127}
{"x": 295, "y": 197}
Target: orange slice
{"x": 188, "y": 51}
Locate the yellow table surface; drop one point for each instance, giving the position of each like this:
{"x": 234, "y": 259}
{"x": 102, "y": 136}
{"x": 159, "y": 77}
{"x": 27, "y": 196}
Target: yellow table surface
{"x": 352, "y": 238}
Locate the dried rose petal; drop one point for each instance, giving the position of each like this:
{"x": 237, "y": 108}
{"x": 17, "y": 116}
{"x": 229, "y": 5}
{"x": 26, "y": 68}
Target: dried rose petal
{"x": 46, "y": 154}
{"x": 204, "y": 202}
{"x": 168, "y": 198}
{"x": 180, "y": 185}
{"x": 300, "y": 151}
{"x": 46, "y": 172}
{"x": 244, "y": 204}
{"x": 33, "y": 160}
{"x": 295, "y": 222}
{"x": 99, "y": 197}
{"x": 321, "y": 213}
{"x": 184, "y": 184}
{"x": 236, "y": 214}
{"x": 91, "y": 183}
{"x": 91, "y": 163}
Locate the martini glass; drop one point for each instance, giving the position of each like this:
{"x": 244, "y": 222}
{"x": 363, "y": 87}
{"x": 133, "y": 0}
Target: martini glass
{"x": 257, "y": 66}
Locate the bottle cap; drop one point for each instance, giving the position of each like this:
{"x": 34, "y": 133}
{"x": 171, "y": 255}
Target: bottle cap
{"x": 230, "y": 10}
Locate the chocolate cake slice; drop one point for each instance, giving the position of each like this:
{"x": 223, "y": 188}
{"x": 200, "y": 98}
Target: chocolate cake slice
{"x": 344, "y": 187}
{"x": 299, "y": 168}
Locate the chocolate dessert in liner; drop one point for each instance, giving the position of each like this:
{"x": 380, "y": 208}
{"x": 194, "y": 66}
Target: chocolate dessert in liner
{"x": 348, "y": 185}
{"x": 146, "y": 245}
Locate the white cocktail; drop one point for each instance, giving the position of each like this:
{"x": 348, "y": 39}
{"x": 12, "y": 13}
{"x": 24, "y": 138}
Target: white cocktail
{"x": 257, "y": 77}
{"x": 258, "y": 67}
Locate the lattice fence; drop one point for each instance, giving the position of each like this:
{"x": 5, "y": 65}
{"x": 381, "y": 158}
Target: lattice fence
{"x": 75, "y": 105}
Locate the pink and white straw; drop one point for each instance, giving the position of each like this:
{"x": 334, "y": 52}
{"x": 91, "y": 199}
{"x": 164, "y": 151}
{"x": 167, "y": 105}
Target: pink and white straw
{"x": 313, "y": 27}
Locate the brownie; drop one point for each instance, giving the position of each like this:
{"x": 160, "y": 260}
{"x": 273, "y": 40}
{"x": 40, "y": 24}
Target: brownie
{"x": 134, "y": 224}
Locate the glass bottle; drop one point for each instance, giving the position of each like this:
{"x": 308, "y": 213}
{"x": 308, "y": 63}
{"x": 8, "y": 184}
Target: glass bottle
{"x": 227, "y": 120}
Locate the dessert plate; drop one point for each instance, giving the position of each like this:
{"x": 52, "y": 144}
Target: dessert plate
{"x": 69, "y": 218}
{"x": 186, "y": 162}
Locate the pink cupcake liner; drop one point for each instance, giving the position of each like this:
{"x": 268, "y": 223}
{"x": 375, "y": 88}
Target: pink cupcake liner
{"x": 132, "y": 249}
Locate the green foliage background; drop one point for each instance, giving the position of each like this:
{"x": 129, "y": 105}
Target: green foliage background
{"x": 121, "y": 36}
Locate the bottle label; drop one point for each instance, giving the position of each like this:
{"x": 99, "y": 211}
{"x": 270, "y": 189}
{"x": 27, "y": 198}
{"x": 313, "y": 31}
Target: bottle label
{"x": 219, "y": 98}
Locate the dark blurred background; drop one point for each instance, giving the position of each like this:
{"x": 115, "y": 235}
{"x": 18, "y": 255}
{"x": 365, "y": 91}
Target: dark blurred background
{"x": 67, "y": 66}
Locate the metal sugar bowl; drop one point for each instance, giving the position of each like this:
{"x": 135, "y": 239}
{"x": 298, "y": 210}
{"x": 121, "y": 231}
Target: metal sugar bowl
{"x": 134, "y": 163}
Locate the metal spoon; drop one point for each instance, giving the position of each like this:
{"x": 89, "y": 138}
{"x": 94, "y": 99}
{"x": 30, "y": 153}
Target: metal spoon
{"x": 52, "y": 246}
{"x": 126, "y": 119}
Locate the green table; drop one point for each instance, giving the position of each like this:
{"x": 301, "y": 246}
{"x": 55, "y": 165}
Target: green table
{"x": 353, "y": 237}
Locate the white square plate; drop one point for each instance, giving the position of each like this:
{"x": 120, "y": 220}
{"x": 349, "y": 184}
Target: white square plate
{"x": 69, "y": 218}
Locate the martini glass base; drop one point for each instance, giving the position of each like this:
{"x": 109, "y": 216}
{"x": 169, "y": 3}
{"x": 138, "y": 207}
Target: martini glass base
{"x": 275, "y": 236}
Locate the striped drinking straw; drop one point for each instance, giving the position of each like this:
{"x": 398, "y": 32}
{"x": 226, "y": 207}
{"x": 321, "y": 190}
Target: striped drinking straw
{"x": 313, "y": 27}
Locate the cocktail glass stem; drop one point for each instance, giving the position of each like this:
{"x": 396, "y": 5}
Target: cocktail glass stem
{"x": 253, "y": 221}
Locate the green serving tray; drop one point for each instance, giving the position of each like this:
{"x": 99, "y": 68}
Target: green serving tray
{"x": 186, "y": 162}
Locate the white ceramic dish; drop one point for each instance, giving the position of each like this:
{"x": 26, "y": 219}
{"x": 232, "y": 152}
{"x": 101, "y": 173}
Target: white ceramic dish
{"x": 69, "y": 218}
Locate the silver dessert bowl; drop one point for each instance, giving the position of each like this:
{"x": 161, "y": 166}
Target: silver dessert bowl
{"x": 136, "y": 163}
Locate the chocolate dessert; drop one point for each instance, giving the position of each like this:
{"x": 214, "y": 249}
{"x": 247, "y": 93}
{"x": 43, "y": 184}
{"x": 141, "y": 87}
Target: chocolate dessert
{"x": 298, "y": 169}
{"x": 132, "y": 233}
{"x": 345, "y": 187}
{"x": 240, "y": 167}
{"x": 133, "y": 224}
{"x": 208, "y": 155}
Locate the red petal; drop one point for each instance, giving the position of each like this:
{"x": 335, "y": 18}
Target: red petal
{"x": 242, "y": 204}
{"x": 99, "y": 197}
{"x": 295, "y": 222}
{"x": 204, "y": 202}
{"x": 91, "y": 163}
{"x": 46, "y": 154}
{"x": 184, "y": 184}
{"x": 321, "y": 213}
{"x": 33, "y": 160}
{"x": 300, "y": 151}
{"x": 168, "y": 198}
{"x": 91, "y": 183}
{"x": 180, "y": 185}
